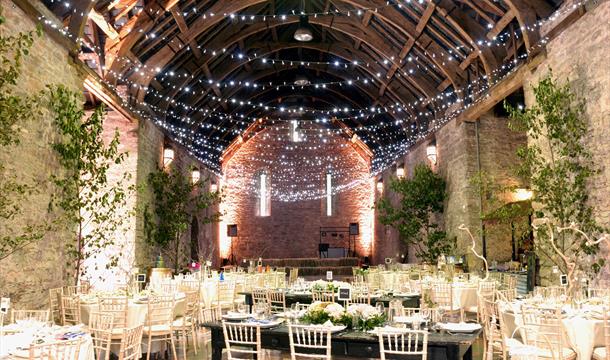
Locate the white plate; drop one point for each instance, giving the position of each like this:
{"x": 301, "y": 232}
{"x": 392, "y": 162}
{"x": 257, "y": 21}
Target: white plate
{"x": 236, "y": 316}
{"x": 409, "y": 319}
{"x": 411, "y": 294}
{"x": 266, "y": 324}
{"x": 460, "y": 327}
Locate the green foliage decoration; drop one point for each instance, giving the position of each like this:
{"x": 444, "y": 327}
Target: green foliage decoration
{"x": 90, "y": 202}
{"x": 560, "y": 167}
{"x": 420, "y": 198}
{"x": 15, "y": 109}
{"x": 175, "y": 200}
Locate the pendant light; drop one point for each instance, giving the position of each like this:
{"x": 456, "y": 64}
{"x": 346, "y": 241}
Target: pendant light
{"x": 303, "y": 32}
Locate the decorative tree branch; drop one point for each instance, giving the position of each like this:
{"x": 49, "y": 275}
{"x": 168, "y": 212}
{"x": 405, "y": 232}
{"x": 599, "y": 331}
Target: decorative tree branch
{"x": 573, "y": 227}
{"x": 570, "y": 266}
{"x": 472, "y": 248}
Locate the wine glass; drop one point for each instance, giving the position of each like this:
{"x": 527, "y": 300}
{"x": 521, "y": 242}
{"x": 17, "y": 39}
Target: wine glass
{"x": 380, "y": 307}
{"x": 242, "y": 308}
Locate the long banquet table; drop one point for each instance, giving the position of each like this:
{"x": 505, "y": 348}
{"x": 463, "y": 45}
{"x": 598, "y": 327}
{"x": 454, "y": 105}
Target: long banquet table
{"x": 302, "y": 298}
{"x": 356, "y": 343}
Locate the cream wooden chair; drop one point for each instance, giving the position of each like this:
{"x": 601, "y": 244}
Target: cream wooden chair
{"x": 187, "y": 285}
{"x": 309, "y": 341}
{"x": 360, "y": 297}
{"x": 209, "y": 315}
{"x": 598, "y": 293}
{"x": 242, "y": 340}
{"x": 277, "y": 301}
{"x": 543, "y": 330}
{"x": 75, "y": 290}
{"x": 493, "y": 330}
{"x": 486, "y": 291}
{"x": 185, "y": 326}
{"x": 118, "y": 307}
{"x": 158, "y": 326}
{"x": 259, "y": 295}
{"x": 100, "y": 326}
{"x": 322, "y": 295}
{"x": 55, "y": 295}
{"x": 131, "y": 343}
{"x": 64, "y": 350}
{"x": 413, "y": 343}
{"x": 442, "y": 296}
{"x": 226, "y": 295}
{"x": 35, "y": 315}
{"x": 506, "y": 295}
{"x": 293, "y": 275}
{"x": 550, "y": 291}
{"x": 509, "y": 282}
{"x": 70, "y": 310}
{"x": 603, "y": 352}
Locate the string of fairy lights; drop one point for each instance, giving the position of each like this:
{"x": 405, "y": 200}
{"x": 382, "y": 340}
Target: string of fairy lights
{"x": 306, "y": 184}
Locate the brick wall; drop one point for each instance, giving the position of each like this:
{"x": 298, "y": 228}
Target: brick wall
{"x": 293, "y": 228}
{"x": 580, "y": 54}
{"x": 26, "y": 275}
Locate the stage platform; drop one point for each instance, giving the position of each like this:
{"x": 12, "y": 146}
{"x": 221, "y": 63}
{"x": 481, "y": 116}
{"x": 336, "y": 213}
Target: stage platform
{"x": 316, "y": 266}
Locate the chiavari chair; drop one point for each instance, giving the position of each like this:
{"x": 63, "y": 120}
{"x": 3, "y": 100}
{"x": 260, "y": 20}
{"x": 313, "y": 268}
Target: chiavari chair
{"x": 322, "y": 295}
{"x": 506, "y": 295}
{"x": 360, "y": 296}
{"x": 131, "y": 342}
{"x": 210, "y": 315}
{"x": 486, "y": 291}
{"x": 259, "y": 295}
{"x": 34, "y": 315}
{"x": 158, "y": 326}
{"x": 70, "y": 310}
{"x": 243, "y": 340}
{"x": 293, "y": 275}
{"x": 118, "y": 307}
{"x": 442, "y": 296}
{"x": 543, "y": 330}
{"x": 75, "y": 290}
{"x": 64, "y": 350}
{"x": 276, "y": 300}
{"x": 413, "y": 343}
{"x": 226, "y": 295}
{"x": 509, "y": 282}
{"x": 100, "y": 326}
{"x": 185, "y": 325}
{"x": 598, "y": 293}
{"x": 493, "y": 330}
{"x": 309, "y": 341}
{"x": 550, "y": 291}
{"x": 55, "y": 295}
{"x": 602, "y": 353}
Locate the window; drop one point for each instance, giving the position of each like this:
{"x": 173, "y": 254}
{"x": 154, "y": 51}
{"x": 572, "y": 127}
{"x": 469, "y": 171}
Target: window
{"x": 329, "y": 194}
{"x": 294, "y": 131}
{"x": 263, "y": 204}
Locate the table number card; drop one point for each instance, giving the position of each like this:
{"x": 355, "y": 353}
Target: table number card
{"x": 5, "y": 304}
{"x": 141, "y": 278}
{"x": 345, "y": 294}
{"x": 563, "y": 279}
{"x": 329, "y": 275}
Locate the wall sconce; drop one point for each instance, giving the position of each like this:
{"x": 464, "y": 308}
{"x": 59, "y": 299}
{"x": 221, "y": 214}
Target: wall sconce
{"x": 168, "y": 156}
{"x": 400, "y": 171}
{"x": 195, "y": 176}
{"x": 380, "y": 185}
{"x": 213, "y": 187}
{"x": 431, "y": 153}
{"x": 522, "y": 194}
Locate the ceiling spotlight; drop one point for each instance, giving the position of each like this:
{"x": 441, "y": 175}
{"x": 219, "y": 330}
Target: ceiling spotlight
{"x": 303, "y": 32}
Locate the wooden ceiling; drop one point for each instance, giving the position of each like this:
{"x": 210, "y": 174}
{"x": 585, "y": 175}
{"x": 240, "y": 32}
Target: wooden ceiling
{"x": 440, "y": 41}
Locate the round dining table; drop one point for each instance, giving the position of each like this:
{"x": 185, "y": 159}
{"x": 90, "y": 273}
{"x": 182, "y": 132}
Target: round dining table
{"x": 15, "y": 340}
{"x": 583, "y": 329}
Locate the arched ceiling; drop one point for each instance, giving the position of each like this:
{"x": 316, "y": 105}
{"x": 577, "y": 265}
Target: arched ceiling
{"x": 194, "y": 63}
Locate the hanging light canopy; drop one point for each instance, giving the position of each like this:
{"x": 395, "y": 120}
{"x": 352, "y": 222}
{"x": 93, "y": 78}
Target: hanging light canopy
{"x": 303, "y": 32}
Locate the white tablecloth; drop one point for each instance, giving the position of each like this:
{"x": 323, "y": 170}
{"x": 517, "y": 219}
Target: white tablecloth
{"x": 581, "y": 334}
{"x": 10, "y": 343}
{"x": 136, "y": 312}
{"x": 464, "y": 297}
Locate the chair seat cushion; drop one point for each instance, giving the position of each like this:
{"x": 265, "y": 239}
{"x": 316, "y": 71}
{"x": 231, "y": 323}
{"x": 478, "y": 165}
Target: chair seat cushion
{"x": 157, "y": 329}
{"x": 182, "y": 322}
{"x": 600, "y": 353}
{"x": 568, "y": 354}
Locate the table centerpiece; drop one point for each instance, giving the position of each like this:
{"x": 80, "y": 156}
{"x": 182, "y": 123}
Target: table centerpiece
{"x": 357, "y": 316}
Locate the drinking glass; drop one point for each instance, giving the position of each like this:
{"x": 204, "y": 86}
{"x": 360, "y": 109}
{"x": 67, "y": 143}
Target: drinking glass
{"x": 242, "y": 308}
{"x": 380, "y": 307}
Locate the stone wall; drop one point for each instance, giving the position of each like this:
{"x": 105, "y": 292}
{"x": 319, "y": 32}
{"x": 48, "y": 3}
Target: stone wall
{"x": 457, "y": 163}
{"x": 26, "y": 275}
{"x": 580, "y": 54}
{"x": 293, "y": 227}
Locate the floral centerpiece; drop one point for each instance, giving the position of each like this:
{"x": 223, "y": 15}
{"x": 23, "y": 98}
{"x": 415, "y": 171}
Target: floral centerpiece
{"x": 322, "y": 312}
{"x": 332, "y": 286}
{"x": 359, "y": 316}
{"x": 365, "y": 317}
